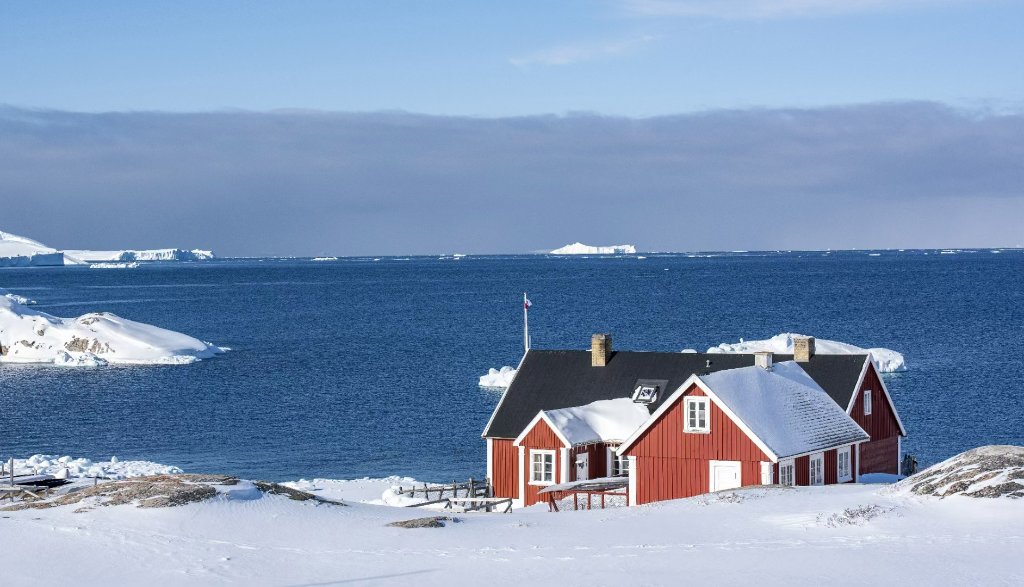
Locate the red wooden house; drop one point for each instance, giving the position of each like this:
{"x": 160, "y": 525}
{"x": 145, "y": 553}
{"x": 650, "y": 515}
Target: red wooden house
{"x": 681, "y": 424}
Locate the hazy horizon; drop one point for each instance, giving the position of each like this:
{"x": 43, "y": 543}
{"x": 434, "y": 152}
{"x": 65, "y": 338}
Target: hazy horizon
{"x": 325, "y": 128}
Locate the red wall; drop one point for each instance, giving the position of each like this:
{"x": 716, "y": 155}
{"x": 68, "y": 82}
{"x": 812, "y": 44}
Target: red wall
{"x": 598, "y": 460}
{"x": 505, "y": 463}
{"x": 673, "y": 464}
{"x": 880, "y": 454}
{"x": 541, "y": 437}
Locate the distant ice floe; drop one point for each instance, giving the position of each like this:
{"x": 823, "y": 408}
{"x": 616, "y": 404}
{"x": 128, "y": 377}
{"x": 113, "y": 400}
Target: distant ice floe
{"x": 498, "y": 378}
{"x": 321, "y": 259}
{"x": 91, "y": 340}
{"x": 19, "y": 251}
{"x": 582, "y": 249}
{"x": 887, "y": 360}
{"x": 129, "y": 256}
{"x": 132, "y": 265}
{"x": 66, "y": 467}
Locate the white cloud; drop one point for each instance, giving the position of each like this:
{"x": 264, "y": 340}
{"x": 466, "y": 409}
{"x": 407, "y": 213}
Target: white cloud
{"x": 771, "y": 8}
{"x": 569, "y": 54}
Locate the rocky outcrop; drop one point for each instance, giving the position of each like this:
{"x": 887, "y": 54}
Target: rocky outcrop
{"x": 987, "y": 471}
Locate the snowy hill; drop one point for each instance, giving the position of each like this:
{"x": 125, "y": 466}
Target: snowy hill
{"x": 19, "y": 251}
{"x": 30, "y": 336}
{"x": 582, "y": 249}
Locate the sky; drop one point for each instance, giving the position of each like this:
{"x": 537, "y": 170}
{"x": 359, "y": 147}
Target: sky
{"x": 345, "y": 128}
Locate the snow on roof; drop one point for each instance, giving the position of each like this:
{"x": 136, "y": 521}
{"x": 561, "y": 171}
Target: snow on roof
{"x": 888, "y": 360}
{"x": 784, "y": 408}
{"x": 612, "y": 420}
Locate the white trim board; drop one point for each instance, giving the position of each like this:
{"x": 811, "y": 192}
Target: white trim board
{"x": 541, "y": 416}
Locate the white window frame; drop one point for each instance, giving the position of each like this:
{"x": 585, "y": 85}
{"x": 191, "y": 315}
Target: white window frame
{"x": 615, "y": 461}
{"x": 791, "y": 466}
{"x": 867, "y": 402}
{"x": 706, "y": 401}
{"x": 840, "y": 476}
{"x": 820, "y": 459}
{"x": 554, "y": 463}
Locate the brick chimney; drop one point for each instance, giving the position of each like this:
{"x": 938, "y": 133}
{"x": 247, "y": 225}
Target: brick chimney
{"x": 600, "y": 349}
{"x": 763, "y": 359}
{"x": 803, "y": 348}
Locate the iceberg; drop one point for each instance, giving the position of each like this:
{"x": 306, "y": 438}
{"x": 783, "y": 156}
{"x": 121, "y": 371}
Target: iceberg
{"x": 887, "y": 360}
{"x": 18, "y": 251}
{"x": 582, "y": 249}
{"x": 498, "y": 378}
{"x": 131, "y": 256}
{"x": 91, "y": 340}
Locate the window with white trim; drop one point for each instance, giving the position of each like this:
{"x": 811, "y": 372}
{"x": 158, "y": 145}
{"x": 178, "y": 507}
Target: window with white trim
{"x": 617, "y": 465}
{"x": 696, "y": 415}
{"x": 542, "y": 467}
{"x": 867, "y": 402}
{"x": 843, "y": 469}
{"x": 817, "y": 465}
{"x": 786, "y": 473}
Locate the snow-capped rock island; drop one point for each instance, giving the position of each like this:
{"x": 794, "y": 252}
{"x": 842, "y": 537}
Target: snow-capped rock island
{"x": 95, "y": 339}
{"x": 19, "y": 251}
{"x": 582, "y": 249}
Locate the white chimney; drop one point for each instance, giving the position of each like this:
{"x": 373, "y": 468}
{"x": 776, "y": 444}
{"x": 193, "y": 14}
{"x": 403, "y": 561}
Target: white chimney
{"x": 763, "y": 359}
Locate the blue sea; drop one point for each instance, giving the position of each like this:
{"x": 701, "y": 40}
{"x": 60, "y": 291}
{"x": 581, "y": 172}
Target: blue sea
{"x": 363, "y": 367}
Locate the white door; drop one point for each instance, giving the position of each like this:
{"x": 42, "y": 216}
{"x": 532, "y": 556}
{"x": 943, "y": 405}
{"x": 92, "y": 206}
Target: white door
{"x": 725, "y": 475}
{"x": 582, "y": 467}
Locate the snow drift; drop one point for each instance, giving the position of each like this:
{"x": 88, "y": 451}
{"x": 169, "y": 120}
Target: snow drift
{"x": 887, "y": 360}
{"x": 30, "y": 336}
{"x": 582, "y": 249}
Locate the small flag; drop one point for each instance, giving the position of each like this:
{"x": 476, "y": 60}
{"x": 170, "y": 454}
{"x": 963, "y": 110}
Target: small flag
{"x": 527, "y": 303}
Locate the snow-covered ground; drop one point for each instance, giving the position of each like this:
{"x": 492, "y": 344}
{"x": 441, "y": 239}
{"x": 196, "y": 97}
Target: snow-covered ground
{"x": 887, "y": 360}
{"x": 31, "y": 336}
{"x": 847, "y": 535}
{"x": 582, "y": 249}
{"x": 498, "y": 378}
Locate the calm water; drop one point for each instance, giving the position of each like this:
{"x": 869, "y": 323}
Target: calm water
{"x": 360, "y": 368}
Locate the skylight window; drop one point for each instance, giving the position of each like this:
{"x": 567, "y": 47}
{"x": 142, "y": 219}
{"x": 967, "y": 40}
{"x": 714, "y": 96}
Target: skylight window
{"x": 645, "y": 394}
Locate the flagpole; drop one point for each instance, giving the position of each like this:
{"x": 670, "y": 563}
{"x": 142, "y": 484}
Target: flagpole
{"x": 526, "y": 325}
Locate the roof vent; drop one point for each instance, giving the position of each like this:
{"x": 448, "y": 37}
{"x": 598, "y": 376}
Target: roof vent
{"x": 763, "y": 359}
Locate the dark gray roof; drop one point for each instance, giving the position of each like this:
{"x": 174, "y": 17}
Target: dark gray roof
{"x": 551, "y": 380}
